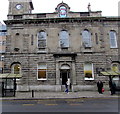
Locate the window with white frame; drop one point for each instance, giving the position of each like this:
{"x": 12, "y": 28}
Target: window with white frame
{"x": 42, "y": 39}
{"x": 42, "y": 69}
{"x": 64, "y": 39}
{"x": 88, "y": 71}
{"x": 86, "y": 37}
{"x": 113, "y": 39}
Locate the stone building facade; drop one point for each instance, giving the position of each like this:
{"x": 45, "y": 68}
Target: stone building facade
{"x": 47, "y": 49}
{"x": 2, "y": 45}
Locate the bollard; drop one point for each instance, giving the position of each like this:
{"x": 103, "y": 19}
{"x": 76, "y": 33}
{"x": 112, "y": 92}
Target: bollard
{"x": 32, "y": 93}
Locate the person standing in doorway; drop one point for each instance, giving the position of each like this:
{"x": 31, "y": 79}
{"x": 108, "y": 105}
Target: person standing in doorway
{"x": 100, "y": 86}
{"x": 66, "y": 86}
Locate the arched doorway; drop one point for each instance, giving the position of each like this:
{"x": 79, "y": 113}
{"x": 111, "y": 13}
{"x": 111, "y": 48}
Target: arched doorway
{"x": 65, "y": 74}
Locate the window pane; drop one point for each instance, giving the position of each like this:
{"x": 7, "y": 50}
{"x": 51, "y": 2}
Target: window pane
{"x": 41, "y": 40}
{"x": 113, "y": 41}
{"x": 41, "y": 43}
{"x": 41, "y": 35}
{"x": 64, "y": 39}
{"x": 88, "y": 70}
{"x": 42, "y": 71}
{"x": 64, "y": 43}
{"x": 16, "y": 69}
{"x": 115, "y": 67}
{"x": 86, "y": 38}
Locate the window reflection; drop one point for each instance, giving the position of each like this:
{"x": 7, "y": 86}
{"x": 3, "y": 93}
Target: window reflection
{"x": 64, "y": 39}
{"x": 86, "y": 35}
{"x": 42, "y": 39}
{"x": 88, "y": 71}
{"x": 42, "y": 71}
{"x": 115, "y": 67}
{"x": 16, "y": 69}
{"x": 113, "y": 41}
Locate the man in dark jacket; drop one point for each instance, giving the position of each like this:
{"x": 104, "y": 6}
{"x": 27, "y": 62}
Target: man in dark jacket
{"x": 112, "y": 87}
{"x": 100, "y": 86}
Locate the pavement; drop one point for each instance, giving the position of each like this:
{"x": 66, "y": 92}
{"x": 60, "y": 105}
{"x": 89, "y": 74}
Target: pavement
{"x": 62, "y": 95}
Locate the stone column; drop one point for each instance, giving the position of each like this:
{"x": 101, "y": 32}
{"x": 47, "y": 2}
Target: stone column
{"x": 73, "y": 73}
{"x": 57, "y": 74}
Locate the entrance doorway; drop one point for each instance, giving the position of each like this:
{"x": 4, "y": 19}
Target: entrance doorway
{"x": 65, "y": 75}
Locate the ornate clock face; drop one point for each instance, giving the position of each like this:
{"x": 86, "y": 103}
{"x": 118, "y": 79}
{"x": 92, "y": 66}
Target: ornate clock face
{"x": 63, "y": 11}
{"x": 18, "y": 6}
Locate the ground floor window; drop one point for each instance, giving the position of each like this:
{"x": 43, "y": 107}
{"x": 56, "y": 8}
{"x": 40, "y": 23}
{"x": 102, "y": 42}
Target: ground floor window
{"x": 115, "y": 67}
{"x": 42, "y": 68}
{"x": 88, "y": 71}
{"x": 16, "y": 69}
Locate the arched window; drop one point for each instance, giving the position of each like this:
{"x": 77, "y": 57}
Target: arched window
{"x": 86, "y": 36}
{"x": 42, "y": 39}
{"x": 16, "y": 69}
{"x": 115, "y": 67}
{"x": 64, "y": 39}
{"x": 113, "y": 40}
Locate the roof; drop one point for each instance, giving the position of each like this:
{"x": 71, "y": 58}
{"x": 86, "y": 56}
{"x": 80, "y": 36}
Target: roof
{"x": 110, "y": 73}
{"x": 10, "y": 75}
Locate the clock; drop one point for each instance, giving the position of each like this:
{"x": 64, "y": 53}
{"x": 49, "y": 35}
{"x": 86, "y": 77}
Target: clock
{"x": 18, "y": 6}
{"x": 63, "y": 11}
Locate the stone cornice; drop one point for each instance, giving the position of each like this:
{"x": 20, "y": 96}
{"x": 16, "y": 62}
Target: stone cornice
{"x": 59, "y": 20}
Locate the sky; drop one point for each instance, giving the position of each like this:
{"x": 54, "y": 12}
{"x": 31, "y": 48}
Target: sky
{"x": 108, "y": 7}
